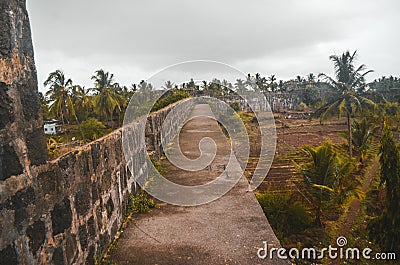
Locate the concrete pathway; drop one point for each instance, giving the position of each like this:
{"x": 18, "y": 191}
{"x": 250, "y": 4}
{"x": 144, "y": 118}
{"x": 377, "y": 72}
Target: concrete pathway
{"x": 229, "y": 230}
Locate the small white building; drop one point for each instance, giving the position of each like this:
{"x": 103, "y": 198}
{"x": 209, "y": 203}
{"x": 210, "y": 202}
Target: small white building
{"x": 52, "y": 127}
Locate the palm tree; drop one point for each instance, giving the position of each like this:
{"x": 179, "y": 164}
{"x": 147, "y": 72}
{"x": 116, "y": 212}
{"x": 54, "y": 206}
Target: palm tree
{"x": 300, "y": 80}
{"x": 272, "y": 84}
{"x": 323, "y": 175}
{"x": 311, "y": 78}
{"x": 363, "y": 133}
{"x": 261, "y": 82}
{"x": 168, "y": 84}
{"x": 281, "y": 84}
{"x": 251, "y": 82}
{"x": 44, "y": 105}
{"x": 240, "y": 85}
{"x": 226, "y": 87}
{"x": 58, "y": 94}
{"x": 82, "y": 101}
{"x": 106, "y": 99}
{"x": 349, "y": 82}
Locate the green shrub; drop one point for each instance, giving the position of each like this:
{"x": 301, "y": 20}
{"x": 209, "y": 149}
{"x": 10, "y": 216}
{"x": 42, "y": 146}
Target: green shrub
{"x": 93, "y": 129}
{"x": 140, "y": 203}
{"x": 235, "y": 105}
{"x": 285, "y": 216}
{"x": 169, "y": 99}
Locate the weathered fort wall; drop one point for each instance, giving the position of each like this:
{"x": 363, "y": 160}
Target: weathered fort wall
{"x": 68, "y": 210}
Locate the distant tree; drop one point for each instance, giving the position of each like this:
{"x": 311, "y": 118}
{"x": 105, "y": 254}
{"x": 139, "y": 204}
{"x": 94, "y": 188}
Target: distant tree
{"x": 214, "y": 88}
{"x": 106, "y": 98}
{"x": 44, "y": 105}
{"x": 281, "y": 85}
{"x": 58, "y": 93}
{"x": 300, "y": 80}
{"x": 240, "y": 85}
{"x": 226, "y": 87}
{"x": 311, "y": 78}
{"x": 349, "y": 82}
{"x": 191, "y": 84}
{"x": 204, "y": 85}
{"x": 251, "y": 82}
{"x": 82, "y": 101}
{"x": 261, "y": 82}
{"x": 272, "y": 84}
{"x": 168, "y": 84}
{"x": 385, "y": 84}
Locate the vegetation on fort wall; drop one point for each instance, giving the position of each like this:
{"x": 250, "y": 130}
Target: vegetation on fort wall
{"x": 172, "y": 97}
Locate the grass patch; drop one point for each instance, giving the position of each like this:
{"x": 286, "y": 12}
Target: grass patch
{"x": 140, "y": 203}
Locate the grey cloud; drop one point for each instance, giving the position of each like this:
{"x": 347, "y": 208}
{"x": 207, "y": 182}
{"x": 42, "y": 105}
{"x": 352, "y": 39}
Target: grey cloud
{"x": 152, "y": 34}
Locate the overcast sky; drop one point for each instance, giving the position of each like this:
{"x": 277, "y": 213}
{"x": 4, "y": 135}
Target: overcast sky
{"x": 135, "y": 38}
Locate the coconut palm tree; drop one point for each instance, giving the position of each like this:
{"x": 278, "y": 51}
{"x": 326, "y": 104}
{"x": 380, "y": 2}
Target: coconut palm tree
{"x": 261, "y": 82}
{"x": 58, "y": 94}
{"x": 252, "y": 82}
{"x": 326, "y": 176}
{"x": 273, "y": 85}
{"x": 168, "y": 84}
{"x": 240, "y": 85}
{"x": 350, "y": 81}
{"x": 106, "y": 99}
{"x": 311, "y": 78}
{"x": 82, "y": 101}
{"x": 363, "y": 133}
{"x": 320, "y": 175}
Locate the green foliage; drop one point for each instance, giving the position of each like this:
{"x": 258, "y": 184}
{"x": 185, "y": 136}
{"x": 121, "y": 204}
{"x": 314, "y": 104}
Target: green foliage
{"x": 44, "y": 105}
{"x": 286, "y": 217}
{"x": 303, "y": 106}
{"x": 385, "y": 84}
{"x": 140, "y": 203}
{"x": 350, "y": 82}
{"x": 103, "y": 261}
{"x": 93, "y": 129}
{"x": 61, "y": 105}
{"x": 362, "y": 136}
{"x": 106, "y": 99}
{"x": 235, "y": 106}
{"x": 53, "y": 145}
{"x": 327, "y": 177}
{"x": 385, "y": 229}
{"x": 173, "y": 97}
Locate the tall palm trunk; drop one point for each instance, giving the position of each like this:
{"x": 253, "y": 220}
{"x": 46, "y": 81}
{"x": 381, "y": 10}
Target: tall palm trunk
{"x": 80, "y": 128}
{"x": 350, "y": 135}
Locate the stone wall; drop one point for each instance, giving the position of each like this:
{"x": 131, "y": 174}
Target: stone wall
{"x": 68, "y": 210}
{"x": 22, "y": 143}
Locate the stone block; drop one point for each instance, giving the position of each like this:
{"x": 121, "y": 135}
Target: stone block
{"x": 37, "y": 235}
{"x": 61, "y": 216}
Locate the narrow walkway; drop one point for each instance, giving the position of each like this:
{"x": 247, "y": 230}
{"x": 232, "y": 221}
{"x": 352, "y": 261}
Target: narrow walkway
{"x": 229, "y": 230}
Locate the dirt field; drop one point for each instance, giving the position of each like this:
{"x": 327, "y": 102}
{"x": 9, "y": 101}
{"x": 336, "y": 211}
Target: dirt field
{"x": 294, "y": 130}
